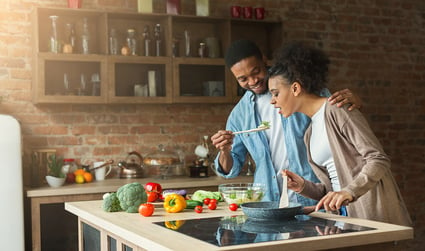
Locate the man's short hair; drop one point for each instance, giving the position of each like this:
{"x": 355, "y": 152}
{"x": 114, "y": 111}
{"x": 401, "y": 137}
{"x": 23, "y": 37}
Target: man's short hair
{"x": 241, "y": 49}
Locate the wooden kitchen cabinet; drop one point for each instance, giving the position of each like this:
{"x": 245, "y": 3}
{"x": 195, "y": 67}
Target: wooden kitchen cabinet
{"x": 177, "y": 75}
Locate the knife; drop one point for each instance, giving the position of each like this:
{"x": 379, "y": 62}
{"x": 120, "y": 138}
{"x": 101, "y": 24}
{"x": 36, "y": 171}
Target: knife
{"x": 284, "y": 200}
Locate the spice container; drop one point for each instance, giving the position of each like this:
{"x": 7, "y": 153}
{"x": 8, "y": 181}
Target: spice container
{"x": 202, "y": 50}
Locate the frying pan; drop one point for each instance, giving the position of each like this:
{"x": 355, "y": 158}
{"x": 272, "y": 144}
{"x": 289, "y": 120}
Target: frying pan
{"x": 266, "y": 210}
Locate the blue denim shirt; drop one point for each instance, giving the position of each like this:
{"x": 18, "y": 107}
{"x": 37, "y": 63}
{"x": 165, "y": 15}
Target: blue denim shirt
{"x": 243, "y": 117}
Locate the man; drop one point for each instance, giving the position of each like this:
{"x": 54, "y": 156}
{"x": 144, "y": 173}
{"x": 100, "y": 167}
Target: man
{"x": 280, "y": 147}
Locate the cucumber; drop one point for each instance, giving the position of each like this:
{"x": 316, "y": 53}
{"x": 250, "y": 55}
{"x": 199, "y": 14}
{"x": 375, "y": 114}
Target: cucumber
{"x": 191, "y": 204}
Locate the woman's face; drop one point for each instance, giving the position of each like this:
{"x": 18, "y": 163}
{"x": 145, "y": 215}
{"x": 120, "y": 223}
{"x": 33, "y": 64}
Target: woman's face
{"x": 282, "y": 95}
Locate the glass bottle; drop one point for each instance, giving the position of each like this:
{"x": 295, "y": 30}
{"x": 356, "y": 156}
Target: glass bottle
{"x": 53, "y": 40}
{"x": 146, "y": 40}
{"x": 83, "y": 85}
{"x": 132, "y": 42}
{"x": 113, "y": 42}
{"x": 186, "y": 43}
{"x": 158, "y": 40}
{"x": 85, "y": 37}
{"x": 70, "y": 35}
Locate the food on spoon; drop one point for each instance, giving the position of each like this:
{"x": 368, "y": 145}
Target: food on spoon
{"x": 264, "y": 125}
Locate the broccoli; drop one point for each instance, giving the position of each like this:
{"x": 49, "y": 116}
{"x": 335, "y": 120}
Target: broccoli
{"x": 111, "y": 203}
{"x": 131, "y": 196}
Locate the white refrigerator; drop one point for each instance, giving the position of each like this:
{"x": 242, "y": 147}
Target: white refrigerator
{"x": 11, "y": 185}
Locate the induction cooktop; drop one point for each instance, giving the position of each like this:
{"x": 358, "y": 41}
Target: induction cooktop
{"x": 238, "y": 229}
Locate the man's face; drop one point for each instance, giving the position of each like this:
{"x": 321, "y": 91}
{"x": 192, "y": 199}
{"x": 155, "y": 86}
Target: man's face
{"x": 251, "y": 73}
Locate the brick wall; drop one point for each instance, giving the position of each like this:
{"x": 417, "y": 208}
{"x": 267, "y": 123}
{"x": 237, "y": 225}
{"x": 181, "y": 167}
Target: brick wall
{"x": 377, "y": 50}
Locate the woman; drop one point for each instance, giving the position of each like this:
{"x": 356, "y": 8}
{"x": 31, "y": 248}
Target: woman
{"x": 343, "y": 151}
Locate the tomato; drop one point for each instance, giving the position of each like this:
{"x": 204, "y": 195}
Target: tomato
{"x": 152, "y": 196}
{"x": 146, "y": 209}
{"x": 212, "y": 206}
{"x": 233, "y": 207}
{"x": 213, "y": 201}
{"x": 198, "y": 209}
{"x": 153, "y": 187}
{"x": 207, "y": 201}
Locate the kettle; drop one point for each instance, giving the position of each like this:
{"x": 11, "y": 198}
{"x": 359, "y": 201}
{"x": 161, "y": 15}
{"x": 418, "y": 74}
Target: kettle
{"x": 132, "y": 167}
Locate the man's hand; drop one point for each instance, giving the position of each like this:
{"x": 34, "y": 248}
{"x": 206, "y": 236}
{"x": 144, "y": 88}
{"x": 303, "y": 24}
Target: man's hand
{"x": 345, "y": 96}
{"x": 223, "y": 140}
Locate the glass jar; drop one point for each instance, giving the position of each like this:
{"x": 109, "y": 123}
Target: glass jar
{"x": 202, "y": 51}
{"x": 69, "y": 166}
{"x": 132, "y": 41}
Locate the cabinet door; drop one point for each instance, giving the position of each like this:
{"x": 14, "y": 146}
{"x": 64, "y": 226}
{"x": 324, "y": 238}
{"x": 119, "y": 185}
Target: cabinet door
{"x": 75, "y": 79}
{"x": 137, "y": 79}
{"x": 200, "y": 81}
{"x": 62, "y": 72}
{"x": 199, "y": 75}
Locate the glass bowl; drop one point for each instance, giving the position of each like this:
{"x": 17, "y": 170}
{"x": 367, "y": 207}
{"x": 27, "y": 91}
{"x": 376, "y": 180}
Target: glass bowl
{"x": 239, "y": 193}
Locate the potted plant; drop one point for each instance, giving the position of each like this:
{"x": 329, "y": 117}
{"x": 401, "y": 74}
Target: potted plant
{"x": 55, "y": 176}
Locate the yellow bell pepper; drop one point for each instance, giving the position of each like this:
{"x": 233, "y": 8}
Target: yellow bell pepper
{"x": 175, "y": 224}
{"x": 174, "y": 203}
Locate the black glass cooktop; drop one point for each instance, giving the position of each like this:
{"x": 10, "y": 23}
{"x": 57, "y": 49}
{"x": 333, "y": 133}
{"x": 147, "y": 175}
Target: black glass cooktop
{"x": 235, "y": 230}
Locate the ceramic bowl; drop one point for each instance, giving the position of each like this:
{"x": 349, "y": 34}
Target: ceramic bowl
{"x": 55, "y": 181}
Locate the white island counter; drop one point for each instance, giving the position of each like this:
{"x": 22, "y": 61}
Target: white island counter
{"x": 140, "y": 233}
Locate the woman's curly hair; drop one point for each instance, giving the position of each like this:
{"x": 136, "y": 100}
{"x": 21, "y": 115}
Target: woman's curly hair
{"x": 306, "y": 65}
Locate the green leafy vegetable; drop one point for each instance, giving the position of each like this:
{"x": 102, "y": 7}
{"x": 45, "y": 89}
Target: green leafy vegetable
{"x": 111, "y": 203}
{"x": 131, "y": 196}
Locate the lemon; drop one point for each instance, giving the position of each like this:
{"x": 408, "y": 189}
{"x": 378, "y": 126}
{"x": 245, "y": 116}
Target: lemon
{"x": 79, "y": 179}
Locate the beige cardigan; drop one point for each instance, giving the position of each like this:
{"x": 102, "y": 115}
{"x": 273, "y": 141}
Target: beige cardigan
{"x": 363, "y": 169}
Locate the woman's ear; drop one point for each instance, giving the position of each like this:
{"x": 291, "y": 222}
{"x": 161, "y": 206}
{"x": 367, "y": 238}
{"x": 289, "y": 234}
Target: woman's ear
{"x": 296, "y": 89}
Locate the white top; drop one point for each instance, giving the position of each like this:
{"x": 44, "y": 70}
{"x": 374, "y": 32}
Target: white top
{"x": 275, "y": 137}
{"x": 320, "y": 149}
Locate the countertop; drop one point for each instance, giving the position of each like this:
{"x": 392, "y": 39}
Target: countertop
{"x": 111, "y": 185}
{"x": 140, "y": 231}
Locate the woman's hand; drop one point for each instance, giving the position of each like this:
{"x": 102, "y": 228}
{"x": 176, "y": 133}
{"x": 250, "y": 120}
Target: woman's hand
{"x": 346, "y": 96}
{"x": 334, "y": 200}
{"x": 295, "y": 182}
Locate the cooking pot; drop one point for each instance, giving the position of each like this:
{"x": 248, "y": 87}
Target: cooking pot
{"x": 132, "y": 167}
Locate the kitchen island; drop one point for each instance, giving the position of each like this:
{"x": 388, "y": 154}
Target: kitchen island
{"x": 44, "y": 196}
{"x": 151, "y": 233}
